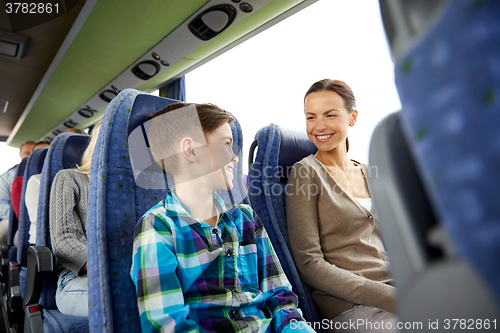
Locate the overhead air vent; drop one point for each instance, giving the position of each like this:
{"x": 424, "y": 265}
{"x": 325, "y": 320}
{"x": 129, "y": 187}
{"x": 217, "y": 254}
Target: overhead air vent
{"x": 212, "y": 21}
{"x": 13, "y": 45}
{"x": 146, "y": 69}
{"x": 108, "y": 95}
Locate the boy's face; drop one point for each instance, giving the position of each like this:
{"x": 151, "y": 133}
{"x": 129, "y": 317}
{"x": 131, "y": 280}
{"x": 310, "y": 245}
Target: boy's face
{"x": 218, "y": 158}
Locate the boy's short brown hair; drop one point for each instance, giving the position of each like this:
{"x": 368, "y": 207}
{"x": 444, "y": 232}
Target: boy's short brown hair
{"x": 165, "y": 134}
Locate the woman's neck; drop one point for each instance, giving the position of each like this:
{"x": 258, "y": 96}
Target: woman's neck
{"x": 336, "y": 157}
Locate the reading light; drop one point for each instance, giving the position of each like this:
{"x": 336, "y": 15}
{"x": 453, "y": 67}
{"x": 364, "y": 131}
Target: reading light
{"x": 13, "y": 46}
{"x": 212, "y": 21}
{"x": 146, "y": 69}
{"x": 108, "y": 95}
{"x": 246, "y": 7}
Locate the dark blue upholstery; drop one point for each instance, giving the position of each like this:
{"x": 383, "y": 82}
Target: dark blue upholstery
{"x": 278, "y": 150}
{"x": 116, "y": 203}
{"x": 65, "y": 152}
{"x": 449, "y": 85}
{"x": 56, "y": 322}
{"x": 33, "y": 166}
{"x": 13, "y": 220}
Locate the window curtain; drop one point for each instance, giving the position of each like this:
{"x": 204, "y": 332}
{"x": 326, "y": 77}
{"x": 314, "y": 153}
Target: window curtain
{"x": 175, "y": 90}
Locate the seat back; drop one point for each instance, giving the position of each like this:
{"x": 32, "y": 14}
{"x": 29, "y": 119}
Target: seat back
{"x": 33, "y": 167}
{"x": 405, "y": 216}
{"x": 278, "y": 150}
{"x": 65, "y": 152}
{"x": 448, "y": 83}
{"x": 117, "y": 202}
{"x": 13, "y": 220}
{"x": 433, "y": 282}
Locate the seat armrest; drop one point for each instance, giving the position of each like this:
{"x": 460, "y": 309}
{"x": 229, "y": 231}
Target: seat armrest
{"x": 13, "y": 289}
{"x": 40, "y": 260}
{"x": 4, "y": 271}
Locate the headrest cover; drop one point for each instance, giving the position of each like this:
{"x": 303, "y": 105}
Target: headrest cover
{"x": 295, "y": 145}
{"x": 73, "y": 150}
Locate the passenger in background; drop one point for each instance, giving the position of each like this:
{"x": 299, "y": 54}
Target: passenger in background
{"x": 68, "y": 233}
{"x": 33, "y": 193}
{"x": 17, "y": 187}
{"x": 6, "y": 180}
{"x": 197, "y": 265}
{"x": 74, "y": 130}
{"x": 332, "y": 228}
{"x": 17, "y": 183}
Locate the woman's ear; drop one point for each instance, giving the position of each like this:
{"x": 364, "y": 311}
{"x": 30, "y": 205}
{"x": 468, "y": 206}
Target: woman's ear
{"x": 354, "y": 117}
{"x": 188, "y": 150}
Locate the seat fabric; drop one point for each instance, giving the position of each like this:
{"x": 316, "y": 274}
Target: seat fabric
{"x": 278, "y": 150}
{"x": 449, "y": 85}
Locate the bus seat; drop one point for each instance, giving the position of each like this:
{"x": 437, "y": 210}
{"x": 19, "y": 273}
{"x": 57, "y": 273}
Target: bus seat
{"x": 119, "y": 195}
{"x": 116, "y": 203}
{"x": 432, "y": 281}
{"x": 10, "y": 268}
{"x": 13, "y": 220}
{"x": 17, "y": 268}
{"x": 34, "y": 166}
{"x": 65, "y": 152}
{"x": 448, "y": 83}
{"x": 278, "y": 150}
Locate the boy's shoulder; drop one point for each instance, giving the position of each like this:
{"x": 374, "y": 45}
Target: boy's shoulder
{"x": 243, "y": 210}
{"x": 157, "y": 212}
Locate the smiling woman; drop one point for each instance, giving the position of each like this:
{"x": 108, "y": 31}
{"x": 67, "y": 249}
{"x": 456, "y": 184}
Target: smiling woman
{"x": 334, "y": 232}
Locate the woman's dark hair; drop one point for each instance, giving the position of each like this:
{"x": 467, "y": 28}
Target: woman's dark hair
{"x": 341, "y": 88}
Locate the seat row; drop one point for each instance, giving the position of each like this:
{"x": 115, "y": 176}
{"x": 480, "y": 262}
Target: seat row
{"x": 116, "y": 202}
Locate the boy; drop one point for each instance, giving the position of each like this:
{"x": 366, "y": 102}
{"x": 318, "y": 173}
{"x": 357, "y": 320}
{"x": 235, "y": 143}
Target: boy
{"x": 197, "y": 265}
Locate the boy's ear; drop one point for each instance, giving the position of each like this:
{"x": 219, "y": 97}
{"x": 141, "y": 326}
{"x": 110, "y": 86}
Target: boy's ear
{"x": 188, "y": 150}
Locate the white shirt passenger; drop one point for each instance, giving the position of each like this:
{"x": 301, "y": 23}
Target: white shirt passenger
{"x": 31, "y": 200}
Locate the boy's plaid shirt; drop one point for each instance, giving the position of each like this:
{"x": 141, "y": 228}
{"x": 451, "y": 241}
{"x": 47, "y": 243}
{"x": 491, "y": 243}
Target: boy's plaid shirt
{"x": 191, "y": 277}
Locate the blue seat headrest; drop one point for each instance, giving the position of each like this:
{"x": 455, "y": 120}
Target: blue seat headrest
{"x": 41, "y": 160}
{"x": 73, "y": 150}
{"x": 144, "y": 106}
{"x": 295, "y": 145}
{"x": 22, "y": 166}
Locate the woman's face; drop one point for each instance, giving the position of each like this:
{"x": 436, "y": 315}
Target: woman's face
{"x": 327, "y": 119}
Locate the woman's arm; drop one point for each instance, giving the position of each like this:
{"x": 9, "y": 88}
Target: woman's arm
{"x": 68, "y": 236}
{"x": 304, "y": 235}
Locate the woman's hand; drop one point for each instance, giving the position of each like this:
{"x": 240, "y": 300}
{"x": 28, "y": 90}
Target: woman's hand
{"x": 83, "y": 270}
